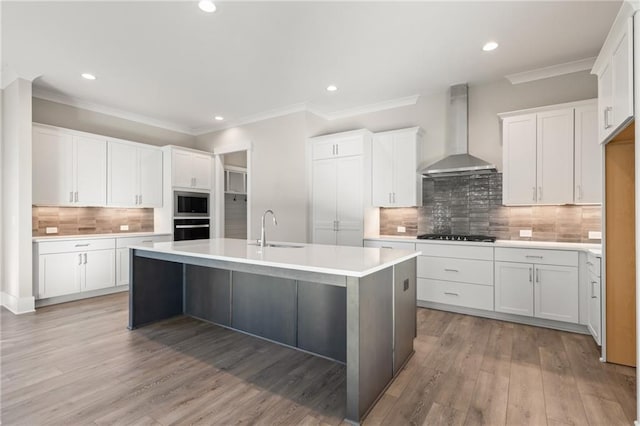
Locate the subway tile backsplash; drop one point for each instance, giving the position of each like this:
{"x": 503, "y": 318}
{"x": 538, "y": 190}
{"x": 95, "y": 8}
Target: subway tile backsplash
{"x": 89, "y": 220}
{"x": 473, "y": 205}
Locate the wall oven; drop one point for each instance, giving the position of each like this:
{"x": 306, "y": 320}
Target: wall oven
{"x": 191, "y": 204}
{"x": 191, "y": 229}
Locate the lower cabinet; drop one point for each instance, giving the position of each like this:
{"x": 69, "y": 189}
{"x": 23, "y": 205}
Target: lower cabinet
{"x": 556, "y": 293}
{"x": 456, "y": 293}
{"x": 514, "y": 288}
{"x": 594, "y": 304}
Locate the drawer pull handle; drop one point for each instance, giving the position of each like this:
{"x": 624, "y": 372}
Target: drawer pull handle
{"x": 387, "y": 247}
{"x": 147, "y": 241}
{"x": 533, "y": 257}
{"x": 83, "y": 245}
{"x": 593, "y": 290}
{"x": 79, "y": 258}
{"x": 450, "y": 293}
{"x": 450, "y": 270}
{"x": 589, "y": 263}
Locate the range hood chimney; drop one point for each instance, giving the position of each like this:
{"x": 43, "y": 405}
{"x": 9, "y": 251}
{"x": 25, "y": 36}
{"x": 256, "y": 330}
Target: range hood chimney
{"x": 459, "y": 162}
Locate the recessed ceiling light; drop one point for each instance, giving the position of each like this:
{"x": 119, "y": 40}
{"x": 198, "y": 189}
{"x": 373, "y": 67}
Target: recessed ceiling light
{"x": 492, "y": 45}
{"x": 332, "y": 88}
{"x": 88, "y": 76}
{"x": 219, "y": 118}
{"x": 207, "y": 6}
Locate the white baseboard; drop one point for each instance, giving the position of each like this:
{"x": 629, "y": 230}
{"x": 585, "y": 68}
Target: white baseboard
{"x": 18, "y": 305}
{"x": 79, "y": 296}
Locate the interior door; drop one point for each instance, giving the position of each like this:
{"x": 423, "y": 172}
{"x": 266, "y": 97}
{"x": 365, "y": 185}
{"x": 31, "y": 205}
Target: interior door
{"x": 514, "y": 288}
{"x": 555, "y": 157}
{"x": 52, "y": 168}
{"x": 349, "y": 210}
{"x": 150, "y": 177}
{"x": 122, "y": 189}
{"x": 324, "y": 201}
{"x": 519, "y": 160}
{"x": 91, "y": 171}
{"x": 382, "y": 170}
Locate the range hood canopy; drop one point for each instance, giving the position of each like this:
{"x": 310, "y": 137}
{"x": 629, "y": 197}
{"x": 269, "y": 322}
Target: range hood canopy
{"x": 459, "y": 162}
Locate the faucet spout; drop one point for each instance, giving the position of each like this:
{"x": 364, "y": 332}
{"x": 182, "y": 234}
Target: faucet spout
{"x": 263, "y": 236}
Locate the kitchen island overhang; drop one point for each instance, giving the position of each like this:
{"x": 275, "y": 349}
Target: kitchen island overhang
{"x": 350, "y": 304}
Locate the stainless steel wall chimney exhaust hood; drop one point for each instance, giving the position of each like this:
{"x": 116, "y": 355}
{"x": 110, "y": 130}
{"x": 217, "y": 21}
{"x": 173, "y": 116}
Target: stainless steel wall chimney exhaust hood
{"x": 459, "y": 162}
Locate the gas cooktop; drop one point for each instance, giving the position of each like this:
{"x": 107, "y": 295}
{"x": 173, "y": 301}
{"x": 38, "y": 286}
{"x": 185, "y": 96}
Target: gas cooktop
{"x": 458, "y": 237}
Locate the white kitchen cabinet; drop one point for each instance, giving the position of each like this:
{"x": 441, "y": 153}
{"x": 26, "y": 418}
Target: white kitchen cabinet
{"x": 588, "y": 157}
{"x": 614, "y": 68}
{"x": 99, "y": 270}
{"x": 134, "y": 175}
{"x": 399, "y": 245}
{"x": 546, "y": 286}
{"x": 340, "y": 181}
{"x": 540, "y": 164}
{"x": 122, "y": 254}
{"x": 69, "y": 168}
{"x": 191, "y": 169}
{"x": 395, "y": 179}
{"x": 594, "y": 298}
{"x": 59, "y": 274}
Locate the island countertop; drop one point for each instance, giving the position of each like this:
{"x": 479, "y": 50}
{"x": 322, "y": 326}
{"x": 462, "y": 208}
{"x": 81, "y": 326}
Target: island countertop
{"x": 326, "y": 259}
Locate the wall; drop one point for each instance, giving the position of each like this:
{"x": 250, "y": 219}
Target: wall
{"x": 90, "y": 220}
{"x": 17, "y": 289}
{"x": 277, "y": 176}
{"x": 473, "y": 205}
{"x": 56, "y": 114}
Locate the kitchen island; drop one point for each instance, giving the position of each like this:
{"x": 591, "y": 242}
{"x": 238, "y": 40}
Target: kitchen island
{"x": 350, "y": 304}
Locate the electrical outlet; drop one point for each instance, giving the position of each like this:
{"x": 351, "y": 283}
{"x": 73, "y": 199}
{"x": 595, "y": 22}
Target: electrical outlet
{"x": 124, "y": 227}
{"x": 595, "y": 235}
{"x": 402, "y": 229}
{"x": 51, "y": 230}
{"x": 526, "y": 233}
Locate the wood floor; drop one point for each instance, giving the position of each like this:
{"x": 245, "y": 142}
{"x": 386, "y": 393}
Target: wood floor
{"x": 77, "y": 364}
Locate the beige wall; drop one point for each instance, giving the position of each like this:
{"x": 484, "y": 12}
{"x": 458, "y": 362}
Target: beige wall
{"x": 56, "y": 114}
{"x": 277, "y": 176}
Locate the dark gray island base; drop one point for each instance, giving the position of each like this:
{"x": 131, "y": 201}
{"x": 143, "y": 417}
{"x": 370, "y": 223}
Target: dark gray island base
{"x": 367, "y": 322}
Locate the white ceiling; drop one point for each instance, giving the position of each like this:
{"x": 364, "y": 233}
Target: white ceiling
{"x": 173, "y": 63}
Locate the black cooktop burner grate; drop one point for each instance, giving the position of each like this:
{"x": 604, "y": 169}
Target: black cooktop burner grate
{"x": 458, "y": 237}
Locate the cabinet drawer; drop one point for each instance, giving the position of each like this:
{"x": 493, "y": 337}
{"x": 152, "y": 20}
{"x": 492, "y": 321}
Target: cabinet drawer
{"x": 452, "y": 250}
{"x": 545, "y": 257}
{"x": 451, "y": 269}
{"x": 390, "y": 245}
{"x": 124, "y": 242}
{"x": 76, "y": 245}
{"x": 593, "y": 265}
{"x": 455, "y": 293}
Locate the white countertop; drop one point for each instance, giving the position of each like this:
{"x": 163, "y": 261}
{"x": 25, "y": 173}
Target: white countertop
{"x": 97, "y": 236}
{"x": 499, "y": 243}
{"x": 327, "y": 259}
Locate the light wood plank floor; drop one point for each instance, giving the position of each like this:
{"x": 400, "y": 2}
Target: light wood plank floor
{"x": 77, "y": 363}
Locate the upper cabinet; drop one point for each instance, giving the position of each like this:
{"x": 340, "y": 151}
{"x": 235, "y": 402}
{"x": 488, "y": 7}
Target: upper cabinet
{"x": 395, "y": 179}
{"x": 190, "y": 169}
{"x": 134, "y": 175}
{"x": 614, "y": 68}
{"x": 69, "y": 168}
{"x": 551, "y": 156}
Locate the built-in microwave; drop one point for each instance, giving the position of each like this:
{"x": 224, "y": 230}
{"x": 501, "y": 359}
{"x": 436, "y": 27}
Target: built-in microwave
{"x": 193, "y": 204}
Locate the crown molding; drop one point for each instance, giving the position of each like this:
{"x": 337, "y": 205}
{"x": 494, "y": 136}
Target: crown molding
{"x": 273, "y": 113}
{"x": 552, "y": 71}
{"x": 367, "y": 109}
{"x": 115, "y": 112}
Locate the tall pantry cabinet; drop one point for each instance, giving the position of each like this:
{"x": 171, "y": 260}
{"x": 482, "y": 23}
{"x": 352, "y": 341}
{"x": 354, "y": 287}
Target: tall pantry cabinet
{"x": 340, "y": 188}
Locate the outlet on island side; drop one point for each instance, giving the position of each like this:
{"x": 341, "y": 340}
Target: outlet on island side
{"x": 526, "y": 233}
{"x": 124, "y": 227}
{"x": 401, "y": 229}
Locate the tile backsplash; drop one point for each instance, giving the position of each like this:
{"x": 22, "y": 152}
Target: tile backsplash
{"x": 473, "y": 205}
{"x": 89, "y": 220}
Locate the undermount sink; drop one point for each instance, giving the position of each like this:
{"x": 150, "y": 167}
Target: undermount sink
{"x": 277, "y": 245}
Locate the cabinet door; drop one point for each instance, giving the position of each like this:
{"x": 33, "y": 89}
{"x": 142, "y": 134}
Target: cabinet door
{"x": 52, "y": 168}
{"x": 514, "y": 288}
{"x": 122, "y": 266}
{"x": 150, "y": 177}
{"x": 324, "y": 201}
{"x": 555, "y": 157}
{"x": 201, "y": 171}
{"x": 519, "y": 160}
{"x": 349, "y": 209}
{"x": 382, "y": 178}
{"x": 594, "y": 309}
{"x": 181, "y": 169}
{"x": 323, "y": 150}
{"x": 122, "y": 188}
{"x": 605, "y": 102}
{"x": 59, "y": 274}
{"x": 91, "y": 171}
{"x": 405, "y": 170}
{"x": 556, "y": 293}
{"x": 99, "y": 269}
{"x": 588, "y": 157}
{"x": 622, "y": 63}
